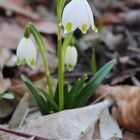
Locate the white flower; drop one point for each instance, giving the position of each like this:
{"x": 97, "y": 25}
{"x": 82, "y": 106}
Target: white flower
{"x": 78, "y": 14}
{"x": 71, "y": 57}
{"x": 26, "y": 52}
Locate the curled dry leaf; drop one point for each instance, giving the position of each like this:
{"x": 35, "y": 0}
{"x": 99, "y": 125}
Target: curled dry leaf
{"x": 108, "y": 126}
{"x": 128, "y": 104}
{"x": 75, "y": 124}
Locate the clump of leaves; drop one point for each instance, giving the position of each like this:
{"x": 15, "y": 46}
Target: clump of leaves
{"x": 75, "y": 96}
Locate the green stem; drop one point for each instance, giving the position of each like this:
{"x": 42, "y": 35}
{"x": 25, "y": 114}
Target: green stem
{"x": 60, "y": 57}
{"x": 42, "y": 49}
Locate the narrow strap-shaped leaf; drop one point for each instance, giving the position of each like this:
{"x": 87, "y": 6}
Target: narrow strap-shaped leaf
{"x": 41, "y": 102}
{"x": 95, "y": 81}
{"x": 56, "y": 97}
{"x": 70, "y": 98}
{"x": 50, "y": 100}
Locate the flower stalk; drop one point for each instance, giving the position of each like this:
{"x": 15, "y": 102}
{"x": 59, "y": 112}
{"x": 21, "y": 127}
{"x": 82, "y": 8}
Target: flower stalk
{"x": 60, "y": 4}
{"x": 42, "y": 49}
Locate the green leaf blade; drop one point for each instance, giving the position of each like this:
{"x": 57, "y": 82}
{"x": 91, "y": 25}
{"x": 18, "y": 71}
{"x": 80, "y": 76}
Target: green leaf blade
{"x": 70, "y": 98}
{"x": 39, "y": 100}
{"x": 50, "y": 100}
{"x": 95, "y": 81}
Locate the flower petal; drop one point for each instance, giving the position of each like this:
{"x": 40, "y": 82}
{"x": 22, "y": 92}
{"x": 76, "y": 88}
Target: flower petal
{"x": 84, "y": 21}
{"x": 26, "y": 52}
{"x": 21, "y": 51}
{"x": 31, "y": 54}
{"x": 69, "y": 16}
{"x": 88, "y": 9}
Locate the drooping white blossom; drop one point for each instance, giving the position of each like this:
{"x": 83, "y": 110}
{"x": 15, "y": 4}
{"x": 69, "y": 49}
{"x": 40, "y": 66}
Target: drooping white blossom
{"x": 26, "y": 52}
{"x": 71, "y": 57}
{"x": 78, "y": 14}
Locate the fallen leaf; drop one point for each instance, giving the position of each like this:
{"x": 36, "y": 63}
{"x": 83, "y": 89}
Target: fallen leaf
{"x": 8, "y": 34}
{"x": 2, "y": 138}
{"x": 46, "y": 27}
{"x": 108, "y": 126}
{"x": 20, "y": 113}
{"x": 96, "y": 131}
{"x": 18, "y": 2}
{"x": 4, "y": 57}
{"x": 7, "y": 5}
{"x": 75, "y": 124}
{"x": 128, "y": 104}
{"x": 120, "y": 78}
{"x": 4, "y": 85}
{"x": 110, "y": 18}
{"x": 130, "y": 136}
{"x": 6, "y": 109}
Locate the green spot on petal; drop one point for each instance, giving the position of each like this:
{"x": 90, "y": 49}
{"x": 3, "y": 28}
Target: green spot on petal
{"x": 18, "y": 60}
{"x": 84, "y": 28}
{"x": 68, "y": 26}
{"x": 32, "y": 63}
{"x": 24, "y": 61}
{"x": 95, "y": 29}
{"x": 69, "y": 67}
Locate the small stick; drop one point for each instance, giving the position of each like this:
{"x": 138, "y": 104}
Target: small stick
{"x": 21, "y": 134}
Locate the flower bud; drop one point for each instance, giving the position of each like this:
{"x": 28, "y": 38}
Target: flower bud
{"x": 71, "y": 57}
{"x": 26, "y": 52}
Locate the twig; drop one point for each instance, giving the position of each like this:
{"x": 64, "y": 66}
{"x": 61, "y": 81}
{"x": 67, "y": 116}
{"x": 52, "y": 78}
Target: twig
{"x": 25, "y": 135}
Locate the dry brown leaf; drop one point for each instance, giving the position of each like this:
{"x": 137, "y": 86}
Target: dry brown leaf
{"x": 46, "y": 27}
{"x": 20, "y": 113}
{"x": 4, "y": 57}
{"x": 18, "y": 2}
{"x": 8, "y": 34}
{"x": 96, "y": 131}
{"x": 110, "y": 18}
{"x": 6, "y": 109}
{"x": 4, "y": 85}
{"x": 2, "y": 138}
{"x": 120, "y": 78}
{"x": 128, "y": 102}
{"x": 130, "y": 136}
{"x": 7, "y": 5}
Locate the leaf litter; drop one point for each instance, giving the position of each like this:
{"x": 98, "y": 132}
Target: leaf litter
{"x": 119, "y": 38}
